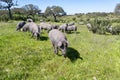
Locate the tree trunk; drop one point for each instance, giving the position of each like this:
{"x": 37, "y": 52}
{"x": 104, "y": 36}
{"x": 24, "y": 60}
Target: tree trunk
{"x": 55, "y": 19}
{"x": 10, "y": 14}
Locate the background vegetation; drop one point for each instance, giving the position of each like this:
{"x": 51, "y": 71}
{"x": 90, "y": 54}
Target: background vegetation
{"x": 22, "y": 57}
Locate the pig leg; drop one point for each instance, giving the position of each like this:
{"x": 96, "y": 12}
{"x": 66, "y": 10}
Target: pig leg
{"x": 55, "y": 49}
{"x": 38, "y": 36}
{"x": 32, "y": 35}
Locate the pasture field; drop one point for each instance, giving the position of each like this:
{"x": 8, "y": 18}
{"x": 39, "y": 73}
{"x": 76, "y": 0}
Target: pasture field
{"x": 90, "y": 56}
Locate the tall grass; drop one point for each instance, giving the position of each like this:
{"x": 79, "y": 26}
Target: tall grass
{"x": 90, "y": 56}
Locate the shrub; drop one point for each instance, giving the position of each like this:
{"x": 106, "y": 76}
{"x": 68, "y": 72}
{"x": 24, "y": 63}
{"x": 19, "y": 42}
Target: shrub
{"x": 19, "y": 17}
{"x": 115, "y": 20}
{"x": 99, "y": 26}
{"x": 4, "y": 18}
{"x": 74, "y": 18}
{"x": 116, "y": 29}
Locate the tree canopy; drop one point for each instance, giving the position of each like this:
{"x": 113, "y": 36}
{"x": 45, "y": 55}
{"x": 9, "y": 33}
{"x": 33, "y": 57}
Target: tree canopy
{"x": 31, "y": 9}
{"x": 57, "y": 10}
{"x": 54, "y": 11}
{"x": 117, "y": 9}
{"x": 8, "y": 4}
{"x": 18, "y": 11}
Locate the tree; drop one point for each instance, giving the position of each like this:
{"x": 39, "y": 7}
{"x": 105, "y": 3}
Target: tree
{"x": 31, "y": 9}
{"x": 8, "y": 4}
{"x": 117, "y": 9}
{"x": 0, "y": 6}
{"x": 18, "y": 11}
{"x": 55, "y": 11}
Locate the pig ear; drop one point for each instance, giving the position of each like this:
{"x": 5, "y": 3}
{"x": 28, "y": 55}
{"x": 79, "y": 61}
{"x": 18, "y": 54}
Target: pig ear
{"x": 59, "y": 43}
{"x": 67, "y": 43}
{"x": 21, "y": 29}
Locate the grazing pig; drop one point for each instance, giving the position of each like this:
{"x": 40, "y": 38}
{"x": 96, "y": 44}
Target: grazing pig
{"x": 70, "y": 24}
{"x": 33, "y": 28}
{"x": 20, "y": 25}
{"x": 54, "y": 26}
{"x": 89, "y": 26}
{"x": 109, "y": 29}
{"x": 45, "y": 26}
{"x": 63, "y": 27}
{"x": 113, "y": 30}
{"x": 59, "y": 41}
{"x": 26, "y": 27}
{"x": 29, "y": 20}
{"x": 71, "y": 28}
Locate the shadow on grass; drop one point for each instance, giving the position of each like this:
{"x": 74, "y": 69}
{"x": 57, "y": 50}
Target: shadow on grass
{"x": 73, "y": 32}
{"x": 77, "y": 32}
{"x": 43, "y": 38}
{"x": 73, "y": 54}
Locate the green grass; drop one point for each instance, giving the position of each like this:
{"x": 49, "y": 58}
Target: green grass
{"x": 24, "y": 58}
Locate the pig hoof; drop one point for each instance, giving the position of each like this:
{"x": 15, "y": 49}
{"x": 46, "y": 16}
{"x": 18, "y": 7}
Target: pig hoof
{"x": 55, "y": 52}
{"x": 65, "y": 56}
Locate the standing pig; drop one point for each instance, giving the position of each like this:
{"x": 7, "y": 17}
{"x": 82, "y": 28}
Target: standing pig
{"x": 59, "y": 41}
